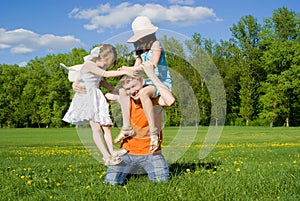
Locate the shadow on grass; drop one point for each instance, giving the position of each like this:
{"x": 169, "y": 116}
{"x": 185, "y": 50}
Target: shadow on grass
{"x": 182, "y": 167}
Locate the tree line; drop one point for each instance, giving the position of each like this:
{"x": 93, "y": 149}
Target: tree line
{"x": 259, "y": 67}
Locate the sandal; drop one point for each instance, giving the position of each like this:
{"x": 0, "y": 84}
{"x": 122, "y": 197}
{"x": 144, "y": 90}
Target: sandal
{"x": 119, "y": 153}
{"x": 124, "y": 133}
{"x": 154, "y": 141}
{"x": 112, "y": 161}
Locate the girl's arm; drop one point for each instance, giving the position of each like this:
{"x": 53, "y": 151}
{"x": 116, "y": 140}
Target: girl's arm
{"x": 138, "y": 61}
{"x": 156, "y": 52}
{"x": 93, "y": 68}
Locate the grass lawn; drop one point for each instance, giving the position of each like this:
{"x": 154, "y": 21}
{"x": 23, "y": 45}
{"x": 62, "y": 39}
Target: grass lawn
{"x": 247, "y": 163}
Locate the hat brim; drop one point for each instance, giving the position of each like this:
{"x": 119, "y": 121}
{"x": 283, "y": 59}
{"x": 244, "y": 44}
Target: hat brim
{"x": 141, "y": 33}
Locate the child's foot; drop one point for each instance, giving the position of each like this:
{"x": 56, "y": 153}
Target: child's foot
{"x": 112, "y": 161}
{"x": 119, "y": 153}
{"x": 124, "y": 133}
{"x": 154, "y": 141}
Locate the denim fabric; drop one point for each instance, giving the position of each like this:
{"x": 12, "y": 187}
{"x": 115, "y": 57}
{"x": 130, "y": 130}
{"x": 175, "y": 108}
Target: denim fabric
{"x": 154, "y": 165}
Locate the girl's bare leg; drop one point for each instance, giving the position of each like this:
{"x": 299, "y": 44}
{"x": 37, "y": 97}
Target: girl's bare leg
{"x": 127, "y": 130}
{"x": 125, "y": 108}
{"x": 98, "y": 139}
{"x": 145, "y": 95}
{"x": 108, "y": 138}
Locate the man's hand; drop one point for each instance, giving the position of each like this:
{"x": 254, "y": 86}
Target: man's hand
{"x": 166, "y": 97}
{"x": 78, "y": 88}
{"x": 148, "y": 69}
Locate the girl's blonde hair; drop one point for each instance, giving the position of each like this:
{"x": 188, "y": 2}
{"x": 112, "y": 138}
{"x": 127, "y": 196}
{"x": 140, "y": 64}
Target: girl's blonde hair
{"x": 108, "y": 54}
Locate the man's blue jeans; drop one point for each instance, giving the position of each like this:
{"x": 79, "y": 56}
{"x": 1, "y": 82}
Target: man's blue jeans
{"x": 154, "y": 165}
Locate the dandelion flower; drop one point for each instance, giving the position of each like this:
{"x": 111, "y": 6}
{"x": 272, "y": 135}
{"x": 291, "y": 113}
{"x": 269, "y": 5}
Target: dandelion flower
{"x": 238, "y": 170}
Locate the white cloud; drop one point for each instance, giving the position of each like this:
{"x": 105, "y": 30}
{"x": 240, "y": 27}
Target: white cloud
{"x": 183, "y": 2}
{"x": 22, "y": 41}
{"x": 107, "y": 16}
{"x": 22, "y": 64}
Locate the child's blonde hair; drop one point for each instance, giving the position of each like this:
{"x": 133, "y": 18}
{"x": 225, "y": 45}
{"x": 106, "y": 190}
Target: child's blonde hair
{"x": 108, "y": 54}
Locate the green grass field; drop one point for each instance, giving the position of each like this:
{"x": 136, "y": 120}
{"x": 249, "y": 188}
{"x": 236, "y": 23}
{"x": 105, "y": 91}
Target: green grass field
{"x": 247, "y": 163}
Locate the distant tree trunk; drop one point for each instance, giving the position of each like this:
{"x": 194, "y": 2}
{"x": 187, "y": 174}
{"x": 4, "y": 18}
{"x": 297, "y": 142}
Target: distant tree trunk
{"x": 271, "y": 123}
{"x": 273, "y": 113}
{"x": 287, "y": 122}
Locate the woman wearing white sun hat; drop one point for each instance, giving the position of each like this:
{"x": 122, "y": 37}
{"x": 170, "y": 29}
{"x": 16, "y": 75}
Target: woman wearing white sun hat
{"x": 148, "y": 51}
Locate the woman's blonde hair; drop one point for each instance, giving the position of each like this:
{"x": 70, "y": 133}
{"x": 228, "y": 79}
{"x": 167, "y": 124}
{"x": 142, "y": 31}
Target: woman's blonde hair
{"x": 108, "y": 54}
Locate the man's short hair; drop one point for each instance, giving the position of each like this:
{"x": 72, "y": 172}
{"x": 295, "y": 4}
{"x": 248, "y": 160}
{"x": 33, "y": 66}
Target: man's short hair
{"x": 126, "y": 78}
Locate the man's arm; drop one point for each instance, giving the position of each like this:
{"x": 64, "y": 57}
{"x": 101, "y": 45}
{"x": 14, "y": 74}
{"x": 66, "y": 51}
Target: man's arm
{"x": 166, "y": 97}
{"x": 106, "y": 85}
{"x": 78, "y": 88}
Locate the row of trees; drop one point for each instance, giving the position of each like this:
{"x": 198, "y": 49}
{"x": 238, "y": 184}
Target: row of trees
{"x": 258, "y": 70}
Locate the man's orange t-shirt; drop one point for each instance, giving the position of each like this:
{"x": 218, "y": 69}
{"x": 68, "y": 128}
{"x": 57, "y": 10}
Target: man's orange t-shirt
{"x": 140, "y": 143}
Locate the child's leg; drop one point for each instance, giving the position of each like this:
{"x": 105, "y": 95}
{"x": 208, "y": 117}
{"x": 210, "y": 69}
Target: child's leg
{"x": 145, "y": 96}
{"x": 98, "y": 139}
{"x": 108, "y": 138}
{"x": 127, "y": 130}
{"x": 102, "y": 146}
{"x": 125, "y": 108}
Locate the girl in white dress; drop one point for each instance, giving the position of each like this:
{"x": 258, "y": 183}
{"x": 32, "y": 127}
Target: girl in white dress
{"x": 92, "y": 106}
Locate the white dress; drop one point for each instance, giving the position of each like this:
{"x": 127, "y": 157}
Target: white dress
{"x": 89, "y": 106}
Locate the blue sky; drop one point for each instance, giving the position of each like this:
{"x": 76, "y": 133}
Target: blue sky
{"x": 35, "y": 28}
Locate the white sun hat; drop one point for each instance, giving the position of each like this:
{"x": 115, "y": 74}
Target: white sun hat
{"x": 141, "y": 26}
